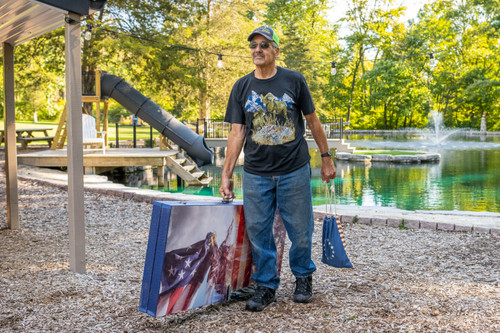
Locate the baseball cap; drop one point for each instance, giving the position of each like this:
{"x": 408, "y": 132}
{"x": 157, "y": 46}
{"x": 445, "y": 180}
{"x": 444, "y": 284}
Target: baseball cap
{"x": 267, "y": 32}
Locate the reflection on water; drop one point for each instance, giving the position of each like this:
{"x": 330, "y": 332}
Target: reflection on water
{"x": 466, "y": 178}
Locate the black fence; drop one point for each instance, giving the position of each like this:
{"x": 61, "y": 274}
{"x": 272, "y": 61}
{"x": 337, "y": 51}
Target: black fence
{"x": 334, "y": 128}
{"x": 217, "y": 128}
{"x": 134, "y": 126}
{"x": 213, "y": 128}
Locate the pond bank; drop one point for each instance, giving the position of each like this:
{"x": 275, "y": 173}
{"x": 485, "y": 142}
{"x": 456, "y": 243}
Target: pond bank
{"x": 389, "y": 158}
{"x": 463, "y": 221}
{"x": 412, "y": 131}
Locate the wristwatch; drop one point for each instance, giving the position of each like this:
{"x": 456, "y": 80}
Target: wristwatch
{"x": 327, "y": 154}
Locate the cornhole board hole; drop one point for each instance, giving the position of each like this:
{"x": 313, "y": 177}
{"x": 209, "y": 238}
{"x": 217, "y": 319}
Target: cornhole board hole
{"x": 198, "y": 254}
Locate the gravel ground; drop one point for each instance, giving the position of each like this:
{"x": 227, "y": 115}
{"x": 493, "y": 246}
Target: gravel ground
{"x": 402, "y": 280}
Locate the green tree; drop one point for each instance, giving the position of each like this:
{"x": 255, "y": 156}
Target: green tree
{"x": 368, "y": 24}
{"x": 39, "y": 75}
{"x": 307, "y": 42}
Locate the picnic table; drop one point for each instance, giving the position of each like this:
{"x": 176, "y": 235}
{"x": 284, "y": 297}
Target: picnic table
{"x": 27, "y": 135}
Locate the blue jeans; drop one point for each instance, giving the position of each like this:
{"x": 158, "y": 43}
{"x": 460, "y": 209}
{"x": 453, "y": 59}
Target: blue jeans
{"x": 291, "y": 193}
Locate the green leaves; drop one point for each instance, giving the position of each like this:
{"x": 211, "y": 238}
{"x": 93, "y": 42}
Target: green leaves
{"x": 168, "y": 49}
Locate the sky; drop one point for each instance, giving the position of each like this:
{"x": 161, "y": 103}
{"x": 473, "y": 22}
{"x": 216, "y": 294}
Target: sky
{"x": 340, "y": 7}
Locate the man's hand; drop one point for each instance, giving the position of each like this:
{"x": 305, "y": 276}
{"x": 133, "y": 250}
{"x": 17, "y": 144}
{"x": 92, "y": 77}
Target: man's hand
{"x": 328, "y": 170}
{"x": 234, "y": 145}
{"x": 226, "y": 189}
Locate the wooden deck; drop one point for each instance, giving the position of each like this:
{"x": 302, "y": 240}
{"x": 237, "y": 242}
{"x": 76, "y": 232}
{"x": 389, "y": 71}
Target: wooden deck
{"x": 117, "y": 157}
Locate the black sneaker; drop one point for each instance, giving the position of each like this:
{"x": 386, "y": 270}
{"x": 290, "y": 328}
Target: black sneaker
{"x": 263, "y": 297}
{"x": 303, "y": 290}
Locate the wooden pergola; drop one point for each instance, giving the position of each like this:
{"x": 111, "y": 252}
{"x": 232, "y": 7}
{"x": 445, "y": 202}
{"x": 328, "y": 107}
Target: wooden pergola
{"x": 21, "y": 21}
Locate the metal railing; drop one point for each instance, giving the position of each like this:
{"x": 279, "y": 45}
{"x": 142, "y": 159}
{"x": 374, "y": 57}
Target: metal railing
{"x": 134, "y": 134}
{"x": 334, "y": 127}
{"x": 213, "y": 128}
{"x": 217, "y": 128}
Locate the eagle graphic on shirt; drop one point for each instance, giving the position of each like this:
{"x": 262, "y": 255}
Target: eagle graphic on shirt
{"x": 271, "y": 125}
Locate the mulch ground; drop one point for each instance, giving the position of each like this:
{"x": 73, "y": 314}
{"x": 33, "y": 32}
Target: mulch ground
{"x": 402, "y": 280}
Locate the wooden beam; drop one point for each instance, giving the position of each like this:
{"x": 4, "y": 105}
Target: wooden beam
{"x": 76, "y": 211}
{"x": 10, "y": 137}
{"x": 105, "y": 124}
{"x": 91, "y": 99}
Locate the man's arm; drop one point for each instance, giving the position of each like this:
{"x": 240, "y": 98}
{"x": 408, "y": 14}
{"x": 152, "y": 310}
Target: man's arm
{"x": 234, "y": 145}
{"x": 328, "y": 170}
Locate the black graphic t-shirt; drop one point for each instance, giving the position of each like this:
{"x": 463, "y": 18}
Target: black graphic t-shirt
{"x": 271, "y": 111}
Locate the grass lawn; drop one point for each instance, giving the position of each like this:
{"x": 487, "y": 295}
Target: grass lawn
{"x": 30, "y": 124}
{"x": 126, "y": 132}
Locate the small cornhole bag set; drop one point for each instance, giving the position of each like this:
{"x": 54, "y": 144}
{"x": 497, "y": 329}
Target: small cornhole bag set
{"x": 333, "y": 240}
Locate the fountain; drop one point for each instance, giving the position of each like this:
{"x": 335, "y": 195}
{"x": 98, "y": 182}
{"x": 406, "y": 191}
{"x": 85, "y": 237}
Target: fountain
{"x": 440, "y": 132}
{"x": 435, "y": 138}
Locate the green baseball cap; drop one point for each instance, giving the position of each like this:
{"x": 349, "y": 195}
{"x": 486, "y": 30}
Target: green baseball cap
{"x": 267, "y": 32}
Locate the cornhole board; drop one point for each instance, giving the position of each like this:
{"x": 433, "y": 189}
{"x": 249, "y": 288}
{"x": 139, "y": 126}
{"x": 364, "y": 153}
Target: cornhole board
{"x": 198, "y": 254}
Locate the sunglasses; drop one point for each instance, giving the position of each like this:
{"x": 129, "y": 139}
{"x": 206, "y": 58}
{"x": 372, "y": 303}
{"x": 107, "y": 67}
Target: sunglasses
{"x": 263, "y": 45}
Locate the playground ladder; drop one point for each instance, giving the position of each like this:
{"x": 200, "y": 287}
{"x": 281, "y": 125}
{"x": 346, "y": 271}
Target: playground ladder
{"x": 61, "y": 132}
{"x": 183, "y": 167}
{"x": 187, "y": 170}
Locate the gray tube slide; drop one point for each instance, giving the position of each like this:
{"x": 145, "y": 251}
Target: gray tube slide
{"x": 141, "y": 106}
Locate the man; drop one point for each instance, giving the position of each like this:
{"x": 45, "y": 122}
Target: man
{"x": 265, "y": 109}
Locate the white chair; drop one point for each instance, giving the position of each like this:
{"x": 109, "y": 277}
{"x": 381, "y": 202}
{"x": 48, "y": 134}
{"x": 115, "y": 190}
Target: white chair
{"x": 91, "y": 136}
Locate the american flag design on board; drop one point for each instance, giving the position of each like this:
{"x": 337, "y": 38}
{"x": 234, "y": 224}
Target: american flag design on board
{"x": 183, "y": 274}
{"x": 206, "y": 257}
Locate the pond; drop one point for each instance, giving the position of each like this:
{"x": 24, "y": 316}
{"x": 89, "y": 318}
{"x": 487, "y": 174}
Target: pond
{"x": 466, "y": 178}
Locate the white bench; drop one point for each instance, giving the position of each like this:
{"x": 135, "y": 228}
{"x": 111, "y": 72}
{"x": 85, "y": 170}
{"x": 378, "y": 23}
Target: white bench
{"x": 91, "y": 136}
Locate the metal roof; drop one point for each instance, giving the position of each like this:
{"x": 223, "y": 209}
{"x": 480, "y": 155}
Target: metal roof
{"x": 22, "y": 20}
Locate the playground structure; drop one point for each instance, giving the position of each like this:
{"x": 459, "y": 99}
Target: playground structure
{"x": 95, "y": 98}
{"x": 98, "y": 87}
{"x": 141, "y": 106}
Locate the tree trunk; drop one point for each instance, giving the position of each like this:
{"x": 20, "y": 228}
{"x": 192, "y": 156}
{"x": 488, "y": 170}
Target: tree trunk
{"x": 353, "y": 83}
{"x": 204, "y": 110}
{"x": 89, "y": 63}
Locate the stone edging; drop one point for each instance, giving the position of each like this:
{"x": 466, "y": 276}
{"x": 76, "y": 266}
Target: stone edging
{"x": 126, "y": 193}
{"x": 412, "y": 224}
{"x": 403, "y": 131}
{"x": 136, "y": 195}
{"x": 420, "y": 158}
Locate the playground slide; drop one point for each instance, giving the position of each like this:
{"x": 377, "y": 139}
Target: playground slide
{"x": 141, "y": 106}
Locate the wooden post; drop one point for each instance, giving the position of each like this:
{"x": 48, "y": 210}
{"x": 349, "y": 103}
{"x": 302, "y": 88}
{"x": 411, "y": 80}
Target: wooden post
{"x": 98, "y": 102}
{"x": 75, "y": 144}
{"x": 10, "y": 137}
{"x": 105, "y": 123}
{"x": 161, "y": 175}
{"x": 98, "y": 116}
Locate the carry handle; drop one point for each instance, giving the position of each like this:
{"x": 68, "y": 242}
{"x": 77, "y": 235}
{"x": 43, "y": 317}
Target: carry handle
{"x": 328, "y": 198}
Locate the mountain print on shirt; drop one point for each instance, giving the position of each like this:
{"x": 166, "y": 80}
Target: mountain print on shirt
{"x": 271, "y": 125}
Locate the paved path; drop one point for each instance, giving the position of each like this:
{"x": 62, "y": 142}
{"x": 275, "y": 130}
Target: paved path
{"x": 465, "y": 221}
{"x": 483, "y": 222}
